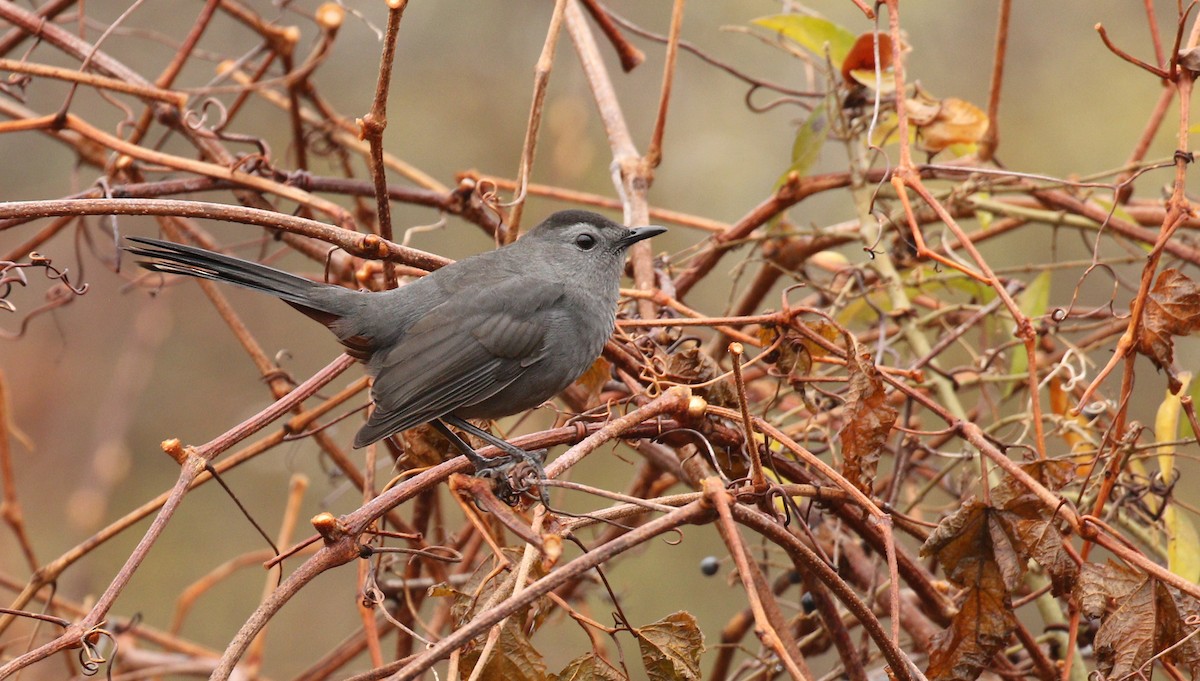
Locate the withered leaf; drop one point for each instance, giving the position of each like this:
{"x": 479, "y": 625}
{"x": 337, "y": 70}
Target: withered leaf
{"x": 958, "y": 122}
{"x": 1172, "y": 309}
{"x": 1052, "y": 473}
{"x": 869, "y": 419}
{"x": 795, "y": 354}
{"x": 424, "y": 447}
{"x": 1101, "y": 586}
{"x": 1017, "y": 528}
{"x": 671, "y": 647}
{"x": 942, "y": 123}
{"x": 1140, "y": 618}
{"x": 979, "y": 630}
{"x": 483, "y": 583}
{"x": 959, "y": 539}
{"x": 1031, "y": 527}
{"x": 985, "y": 551}
{"x": 691, "y": 365}
{"x": 513, "y": 658}
{"x": 589, "y": 667}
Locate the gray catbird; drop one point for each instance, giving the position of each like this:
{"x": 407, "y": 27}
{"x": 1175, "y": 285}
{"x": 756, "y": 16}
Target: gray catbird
{"x": 485, "y": 337}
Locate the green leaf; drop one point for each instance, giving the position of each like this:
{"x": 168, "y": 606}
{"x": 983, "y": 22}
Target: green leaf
{"x": 812, "y": 33}
{"x": 1120, "y": 213}
{"x": 984, "y": 217}
{"x": 1195, "y": 393}
{"x": 671, "y": 648}
{"x": 1032, "y": 303}
{"x": 806, "y": 148}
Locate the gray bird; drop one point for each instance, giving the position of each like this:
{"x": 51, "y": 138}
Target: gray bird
{"x": 485, "y": 337}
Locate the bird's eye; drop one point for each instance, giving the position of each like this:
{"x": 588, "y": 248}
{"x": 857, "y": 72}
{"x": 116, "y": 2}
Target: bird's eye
{"x": 585, "y": 242}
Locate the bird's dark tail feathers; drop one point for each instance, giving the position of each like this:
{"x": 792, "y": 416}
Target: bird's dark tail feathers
{"x": 172, "y": 258}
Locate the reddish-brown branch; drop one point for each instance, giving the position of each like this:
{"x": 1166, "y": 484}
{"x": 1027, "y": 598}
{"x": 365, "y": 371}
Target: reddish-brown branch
{"x": 373, "y": 124}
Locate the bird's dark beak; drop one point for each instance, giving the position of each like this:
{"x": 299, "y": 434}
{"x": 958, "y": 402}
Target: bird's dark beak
{"x": 637, "y": 234}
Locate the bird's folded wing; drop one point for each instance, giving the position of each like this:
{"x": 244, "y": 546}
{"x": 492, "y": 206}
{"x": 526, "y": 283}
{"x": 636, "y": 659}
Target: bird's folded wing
{"x": 460, "y": 353}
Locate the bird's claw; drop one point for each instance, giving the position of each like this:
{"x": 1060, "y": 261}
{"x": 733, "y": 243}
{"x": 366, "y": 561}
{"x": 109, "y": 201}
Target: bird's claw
{"x": 514, "y": 474}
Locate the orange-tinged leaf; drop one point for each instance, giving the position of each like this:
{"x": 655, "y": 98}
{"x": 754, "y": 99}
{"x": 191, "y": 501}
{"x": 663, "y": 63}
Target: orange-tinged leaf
{"x": 593, "y": 380}
{"x": 671, "y": 647}
{"x": 862, "y": 55}
{"x": 869, "y": 419}
{"x": 1076, "y": 428}
{"x": 956, "y": 122}
{"x": 1172, "y": 309}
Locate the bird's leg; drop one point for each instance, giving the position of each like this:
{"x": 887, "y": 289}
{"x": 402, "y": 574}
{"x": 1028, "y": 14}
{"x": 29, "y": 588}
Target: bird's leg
{"x": 479, "y": 462}
{"x": 489, "y": 467}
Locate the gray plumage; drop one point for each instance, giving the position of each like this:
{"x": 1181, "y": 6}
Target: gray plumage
{"x": 485, "y": 337}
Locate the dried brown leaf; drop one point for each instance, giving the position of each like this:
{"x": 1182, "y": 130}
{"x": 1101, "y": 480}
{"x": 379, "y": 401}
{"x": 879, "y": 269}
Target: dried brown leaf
{"x": 482, "y": 585}
{"x": 589, "y": 667}
{"x": 862, "y": 55}
{"x": 691, "y": 365}
{"x": 1172, "y": 309}
{"x": 1051, "y": 473}
{"x": 671, "y": 647}
{"x": 869, "y": 419}
{"x": 942, "y": 123}
{"x": 1125, "y": 641}
{"x": 1140, "y": 618}
{"x": 425, "y": 447}
{"x": 979, "y": 630}
{"x": 960, "y": 538}
{"x": 1031, "y": 529}
{"x": 513, "y": 658}
{"x": 1017, "y": 528}
{"x": 794, "y": 356}
{"x": 1102, "y": 585}
{"x": 985, "y": 550}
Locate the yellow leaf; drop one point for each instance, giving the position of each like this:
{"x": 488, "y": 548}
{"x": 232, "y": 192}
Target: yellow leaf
{"x": 1183, "y": 542}
{"x": 812, "y": 33}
